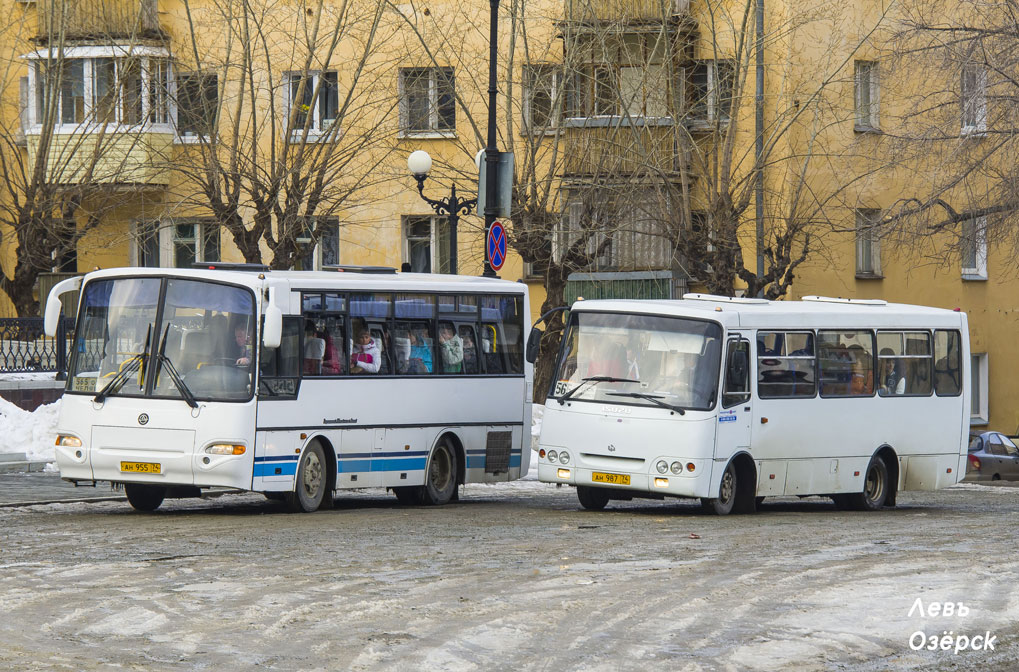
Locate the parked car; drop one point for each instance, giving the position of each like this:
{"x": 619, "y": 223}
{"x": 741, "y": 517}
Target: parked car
{"x": 992, "y": 457}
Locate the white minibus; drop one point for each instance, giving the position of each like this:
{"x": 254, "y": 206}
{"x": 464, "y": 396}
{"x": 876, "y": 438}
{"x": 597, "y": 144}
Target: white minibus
{"x": 732, "y": 400}
{"x": 293, "y": 384}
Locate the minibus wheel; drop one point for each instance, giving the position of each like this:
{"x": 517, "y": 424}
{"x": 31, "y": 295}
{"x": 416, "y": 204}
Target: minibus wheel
{"x": 144, "y": 497}
{"x": 440, "y": 476}
{"x": 592, "y": 499}
{"x": 727, "y": 491}
{"x": 875, "y": 487}
{"x": 310, "y": 487}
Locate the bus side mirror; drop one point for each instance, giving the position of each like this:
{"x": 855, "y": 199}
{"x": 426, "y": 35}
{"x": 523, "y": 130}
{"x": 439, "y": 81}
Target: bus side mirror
{"x": 53, "y": 308}
{"x": 272, "y": 329}
{"x": 533, "y": 345}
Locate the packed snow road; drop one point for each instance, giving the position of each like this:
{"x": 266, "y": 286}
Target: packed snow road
{"x": 512, "y": 577}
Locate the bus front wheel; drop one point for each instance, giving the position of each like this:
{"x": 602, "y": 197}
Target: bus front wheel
{"x": 592, "y": 499}
{"x": 440, "y": 478}
{"x": 310, "y": 489}
{"x": 875, "y": 487}
{"x": 726, "y": 500}
{"x": 144, "y": 497}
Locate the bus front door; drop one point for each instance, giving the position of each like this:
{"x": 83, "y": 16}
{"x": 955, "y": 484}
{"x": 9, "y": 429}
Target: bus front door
{"x": 733, "y": 431}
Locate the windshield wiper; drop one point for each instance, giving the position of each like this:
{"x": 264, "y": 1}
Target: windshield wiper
{"x": 594, "y": 379}
{"x": 178, "y": 382}
{"x": 653, "y": 398}
{"x": 126, "y": 369}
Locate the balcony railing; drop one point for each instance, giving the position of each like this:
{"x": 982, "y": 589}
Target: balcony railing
{"x": 604, "y": 146}
{"x": 97, "y": 19}
{"x": 626, "y": 10}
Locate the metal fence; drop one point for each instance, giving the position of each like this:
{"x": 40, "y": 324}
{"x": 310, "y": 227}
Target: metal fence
{"x": 25, "y": 348}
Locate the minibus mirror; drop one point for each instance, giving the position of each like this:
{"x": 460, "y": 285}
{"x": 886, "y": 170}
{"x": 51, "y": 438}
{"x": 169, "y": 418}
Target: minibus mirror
{"x": 533, "y": 345}
{"x": 53, "y": 308}
{"x": 272, "y": 330}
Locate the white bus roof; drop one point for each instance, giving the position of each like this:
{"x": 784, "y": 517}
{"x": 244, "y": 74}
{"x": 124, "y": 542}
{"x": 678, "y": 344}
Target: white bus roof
{"x": 327, "y": 280}
{"x": 814, "y": 312}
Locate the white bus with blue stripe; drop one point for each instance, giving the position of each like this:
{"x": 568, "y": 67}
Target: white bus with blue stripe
{"x": 295, "y": 384}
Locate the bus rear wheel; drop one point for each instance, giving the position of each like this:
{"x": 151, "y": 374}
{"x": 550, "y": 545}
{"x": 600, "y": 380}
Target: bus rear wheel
{"x": 440, "y": 477}
{"x": 310, "y": 488}
{"x": 144, "y": 497}
{"x": 592, "y": 499}
{"x": 875, "y": 487}
{"x": 727, "y": 491}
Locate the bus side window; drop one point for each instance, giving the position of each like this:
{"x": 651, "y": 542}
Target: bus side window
{"x": 737, "y": 374}
{"x": 947, "y": 371}
{"x": 490, "y": 347}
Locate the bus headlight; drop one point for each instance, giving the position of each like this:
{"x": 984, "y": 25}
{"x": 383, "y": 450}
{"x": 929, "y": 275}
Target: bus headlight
{"x": 225, "y": 449}
{"x": 552, "y": 456}
{"x": 662, "y": 466}
{"x": 564, "y": 457}
{"x": 68, "y": 441}
{"x": 676, "y": 467}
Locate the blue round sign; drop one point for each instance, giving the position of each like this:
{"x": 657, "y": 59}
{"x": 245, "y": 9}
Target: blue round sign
{"x": 496, "y": 246}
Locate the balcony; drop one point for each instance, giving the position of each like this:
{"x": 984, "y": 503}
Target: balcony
{"x": 97, "y": 20}
{"x": 627, "y": 11}
{"x": 108, "y": 157}
{"x": 615, "y": 146}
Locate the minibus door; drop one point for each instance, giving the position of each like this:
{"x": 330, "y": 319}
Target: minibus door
{"x": 733, "y": 431}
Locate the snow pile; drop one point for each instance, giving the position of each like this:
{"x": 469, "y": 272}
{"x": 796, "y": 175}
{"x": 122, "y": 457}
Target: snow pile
{"x": 537, "y": 410}
{"x": 30, "y": 433}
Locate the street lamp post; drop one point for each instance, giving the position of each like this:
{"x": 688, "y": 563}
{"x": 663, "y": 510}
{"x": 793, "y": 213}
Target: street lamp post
{"x": 491, "y": 152}
{"x": 419, "y": 163}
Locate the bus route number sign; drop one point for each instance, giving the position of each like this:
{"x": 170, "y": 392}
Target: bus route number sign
{"x": 496, "y": 246}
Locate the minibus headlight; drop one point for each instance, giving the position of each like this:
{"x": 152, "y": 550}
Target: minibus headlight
{"x": 68, "y": 441}
{"x": 225, "y": 449}
{"x": 564, "y": 457}
{"x": 552, "y": 456}
{"x": 676, "y": 467}
{"x": 662, "y": 466}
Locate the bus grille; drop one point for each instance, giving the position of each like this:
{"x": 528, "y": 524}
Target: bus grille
{"x": 497, "y": 452}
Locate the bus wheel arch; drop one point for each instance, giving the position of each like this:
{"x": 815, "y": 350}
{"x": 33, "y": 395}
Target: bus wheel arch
{"x": 737, "y": 489}
{"x": 331, "y": 470}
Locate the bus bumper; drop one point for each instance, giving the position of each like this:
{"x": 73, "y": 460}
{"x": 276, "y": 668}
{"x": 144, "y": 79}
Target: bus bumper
{"x": 686, "y": 484}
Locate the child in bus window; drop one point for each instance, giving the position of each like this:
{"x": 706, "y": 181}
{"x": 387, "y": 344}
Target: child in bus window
{"x": 314, "y": 350}
{"x": 470, "y": 363}
{"x": 365, "y": 354}
{"x": 891, "y": 379}
{"x": 420, "y": 354}
{"x": 451, "y": 349}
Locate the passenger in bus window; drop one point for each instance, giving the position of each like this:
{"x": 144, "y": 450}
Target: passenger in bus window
{"x": 331, "y": 361}
{"x": 365, "y": 354}
{"x": 451, "y": 349}
{"x": 314, "y": 350}
{"x": 470, "y": 363}
{"x": 891, "y": 379}
{"x": 420, "y": 354}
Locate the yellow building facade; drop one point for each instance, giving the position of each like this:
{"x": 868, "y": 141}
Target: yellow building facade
{"x": 650, "y": 105}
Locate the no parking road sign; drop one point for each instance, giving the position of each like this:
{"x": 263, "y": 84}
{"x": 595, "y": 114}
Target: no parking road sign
{"x": 496, "y": 246}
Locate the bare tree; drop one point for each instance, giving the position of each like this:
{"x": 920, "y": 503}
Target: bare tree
{"x": 67, "y": 158}
{"x": 289, "y": 129}
{"x": 956, "y": 68}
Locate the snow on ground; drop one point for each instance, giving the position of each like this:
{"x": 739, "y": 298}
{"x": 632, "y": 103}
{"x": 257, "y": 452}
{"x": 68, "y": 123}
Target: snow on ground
{"x": 27, "y": 432}
{"x": 28, "y": 375}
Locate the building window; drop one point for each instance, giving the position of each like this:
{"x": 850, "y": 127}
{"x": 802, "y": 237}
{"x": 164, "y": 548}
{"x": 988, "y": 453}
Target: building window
{"x": 426, "y": 244}
{"x": 197, "y": 104}
{"x": 321, "y": 248}
{"x": 313, "y": 100}
{"x": 868, "y": 243}
{"x": 973, "y": 246}
{"x": 195, "y": 241}
{"x": 974, "y": 99}
{"x": 866, "y": 94}
{"x": 542, "y": 97}
{"x": 979, "y": 413}
{"x": 711, "y": 87}
{"x": 427, "y": 100}
{"x": 618, "y": 230}
{"x": 121, "y": 90}
{"x": 147, "y": 249}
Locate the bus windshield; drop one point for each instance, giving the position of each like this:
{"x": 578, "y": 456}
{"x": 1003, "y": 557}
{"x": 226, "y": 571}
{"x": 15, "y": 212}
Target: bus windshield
{"x": 640, "y": 359}
{"x": 202, "y": 346}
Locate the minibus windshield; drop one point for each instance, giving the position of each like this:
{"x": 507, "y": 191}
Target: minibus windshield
{"x": 644, "y": 360}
